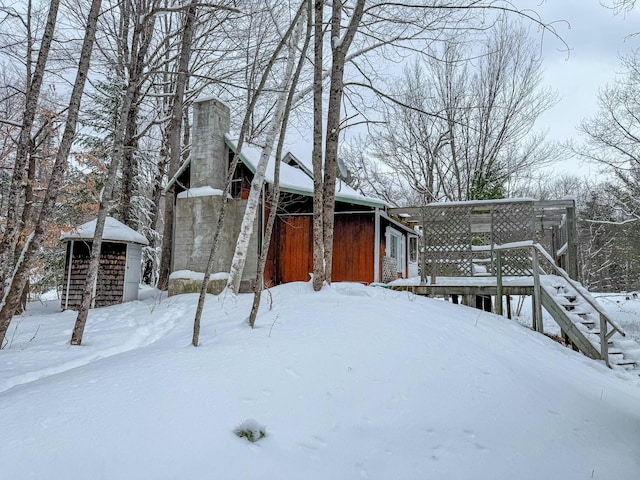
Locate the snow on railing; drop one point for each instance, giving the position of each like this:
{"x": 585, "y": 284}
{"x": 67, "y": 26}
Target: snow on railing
{"x": 577, "y": 286}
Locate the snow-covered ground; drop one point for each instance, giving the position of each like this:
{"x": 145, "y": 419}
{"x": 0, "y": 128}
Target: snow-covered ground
{"x": 351, "y": 382}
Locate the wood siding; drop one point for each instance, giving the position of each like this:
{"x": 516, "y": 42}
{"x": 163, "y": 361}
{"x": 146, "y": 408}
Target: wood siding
{"x": 110, "y": 283}
{"x": 291, "y": 253}
{"x": 353, "y": 247}
{"x": 294, "y": 257}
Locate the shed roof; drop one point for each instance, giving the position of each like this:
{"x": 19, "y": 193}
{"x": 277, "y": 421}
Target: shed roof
{"x": 114, "y": 231}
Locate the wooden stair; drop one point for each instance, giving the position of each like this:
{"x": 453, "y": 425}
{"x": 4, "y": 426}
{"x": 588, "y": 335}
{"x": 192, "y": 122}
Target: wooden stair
{"x": 580, "y": 319}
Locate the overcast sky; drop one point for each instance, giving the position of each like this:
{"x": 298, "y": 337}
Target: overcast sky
{"x": 596, "y": 37}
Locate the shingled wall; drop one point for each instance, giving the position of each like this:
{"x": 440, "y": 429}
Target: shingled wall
{"x": 110, "y": 284}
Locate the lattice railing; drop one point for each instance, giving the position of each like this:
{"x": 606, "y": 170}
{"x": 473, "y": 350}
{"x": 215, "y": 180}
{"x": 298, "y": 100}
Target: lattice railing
{"x": 458, "y": 238}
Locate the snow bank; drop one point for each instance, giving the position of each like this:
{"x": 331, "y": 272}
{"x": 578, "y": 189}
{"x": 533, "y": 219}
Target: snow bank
{"x": 349, "y": 382}
{"x": 199, "y": 276}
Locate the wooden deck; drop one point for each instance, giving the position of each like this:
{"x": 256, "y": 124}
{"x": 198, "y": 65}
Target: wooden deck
{"x": 446, "y": 286}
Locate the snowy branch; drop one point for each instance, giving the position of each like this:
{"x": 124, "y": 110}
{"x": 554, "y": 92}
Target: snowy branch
{"x": 6, "y": 121}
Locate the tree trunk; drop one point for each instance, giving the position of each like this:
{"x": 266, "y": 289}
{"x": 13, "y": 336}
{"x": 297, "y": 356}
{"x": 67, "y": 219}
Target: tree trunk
{"x": 34, "y": 85}
{"x": 316, "y": 156}
{"x": 32, "y": 245}
{"x": 130, "y": 163}
{"x": 145, "y": 34}
{"x": 339, "y": 46}
{"x": 253, "y": 202}
{"x": 174, "y": 132}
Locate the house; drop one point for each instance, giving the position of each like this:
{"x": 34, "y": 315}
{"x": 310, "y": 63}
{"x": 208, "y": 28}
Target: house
{"x": 369, "y": 245}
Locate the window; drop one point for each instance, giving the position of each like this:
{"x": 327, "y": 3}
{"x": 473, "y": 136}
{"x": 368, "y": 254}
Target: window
{"x": 396, "y": 248}
{"x": 413, "y": 249}
{"x": 393, "y": 247}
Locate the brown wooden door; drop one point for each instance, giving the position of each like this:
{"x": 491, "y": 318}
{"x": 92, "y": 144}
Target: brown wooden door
{"x": 294, "y": 257}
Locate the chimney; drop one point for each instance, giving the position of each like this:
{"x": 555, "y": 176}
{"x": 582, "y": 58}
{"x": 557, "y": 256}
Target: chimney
{"x": 209, "y": 159}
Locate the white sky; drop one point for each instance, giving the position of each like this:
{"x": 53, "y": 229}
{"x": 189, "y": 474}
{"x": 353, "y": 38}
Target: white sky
{"x": 596, "y": 37}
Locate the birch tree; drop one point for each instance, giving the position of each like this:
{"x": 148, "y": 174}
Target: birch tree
{"x": 248, "y": 220}
{"x": 23, "y": 267}
{"x": 143, "y": 35}
{"x": 275, "y": 191}
{"x": 33, "y": 85}
{"x": 265, "y": 75}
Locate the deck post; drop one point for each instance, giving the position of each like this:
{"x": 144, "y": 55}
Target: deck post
{"x": 498, "y": 282}
{"x": 555, "y": 243}
{"x": 376, "y": 246}
{"x": 604, "y": 346}
{"x": 70, "y": 260}
{"x": 537, "y": 293}
{"x": 572, "y": 243}
{"x": 423, "y": 250}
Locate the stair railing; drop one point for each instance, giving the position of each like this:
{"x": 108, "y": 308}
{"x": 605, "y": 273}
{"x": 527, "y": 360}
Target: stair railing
{"x": 538, "y": 250}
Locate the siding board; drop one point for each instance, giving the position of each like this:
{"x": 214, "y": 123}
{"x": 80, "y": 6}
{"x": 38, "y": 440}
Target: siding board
{"x": 352, "y": 255}
{"x": 110, "y": 283}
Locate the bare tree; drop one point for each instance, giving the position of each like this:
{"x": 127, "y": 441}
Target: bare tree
{"x": 33, "y": 84}
{"x": 22, "y": 269}
{"x": 619, "y": 6}
{"x": 612, "y": 138}
{"x": 341, "y": 40}
{"x": 246, "y": 229}
{"x": 462, "y": 127}
{"x": 275, "y": 190}
{"x": 265, "y": 75}
{"x": 142, "y": 39}
{"x": 174, "y": 137}
{"x": 613, "y": 134}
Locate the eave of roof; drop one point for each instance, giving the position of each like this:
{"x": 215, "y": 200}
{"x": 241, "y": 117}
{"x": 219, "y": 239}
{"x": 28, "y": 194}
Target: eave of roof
{"x": 365, "y": 201}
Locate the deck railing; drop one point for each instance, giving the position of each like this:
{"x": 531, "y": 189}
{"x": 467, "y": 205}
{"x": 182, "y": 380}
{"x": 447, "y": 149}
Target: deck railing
{"x": 607, "y": 326}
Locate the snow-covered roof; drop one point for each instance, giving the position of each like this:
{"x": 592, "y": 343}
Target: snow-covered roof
{"x": 296, "y": 180}
{"x": 114, "y": 231}
{"x": 201, "y": 192}
{"x": 209, "y": 98}
{"x": 482, "y": 202}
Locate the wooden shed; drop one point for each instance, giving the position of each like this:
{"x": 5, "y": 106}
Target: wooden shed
{"x": 120, "y": 259}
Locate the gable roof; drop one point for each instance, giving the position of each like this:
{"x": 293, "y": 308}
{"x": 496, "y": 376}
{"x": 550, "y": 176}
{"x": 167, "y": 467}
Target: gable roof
{"x": 296, "y": 177}
{"x": 295, "y": 162}
{"x": 114, "y": 231}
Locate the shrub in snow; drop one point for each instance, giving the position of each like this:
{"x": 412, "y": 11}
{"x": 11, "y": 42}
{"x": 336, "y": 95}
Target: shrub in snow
{"x": 251, "y": 430}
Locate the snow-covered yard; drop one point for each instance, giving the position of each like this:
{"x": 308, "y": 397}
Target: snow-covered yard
{"x": 352, "y": 382}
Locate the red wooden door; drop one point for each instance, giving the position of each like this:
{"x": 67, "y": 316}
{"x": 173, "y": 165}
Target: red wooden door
{"x": 294, "y": 247}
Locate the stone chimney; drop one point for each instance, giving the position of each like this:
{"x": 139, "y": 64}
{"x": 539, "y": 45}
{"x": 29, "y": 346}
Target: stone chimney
{"x": 209, "y": 160}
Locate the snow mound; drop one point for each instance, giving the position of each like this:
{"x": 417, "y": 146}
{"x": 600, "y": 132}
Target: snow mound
{"x": 353, "y": 382}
